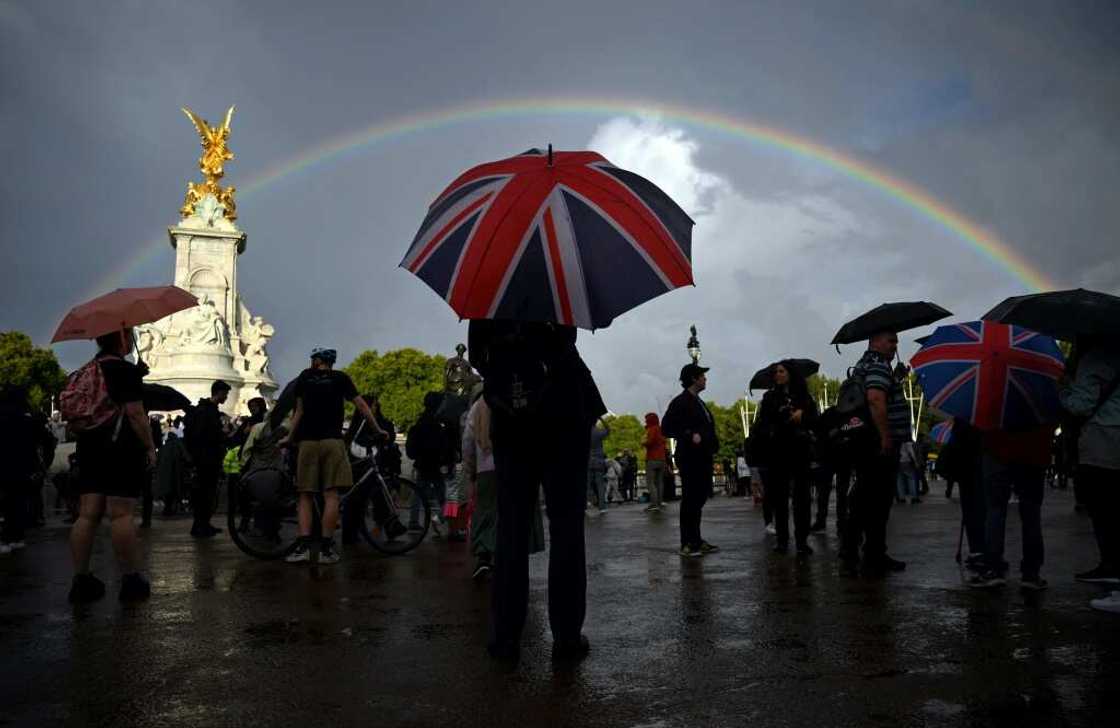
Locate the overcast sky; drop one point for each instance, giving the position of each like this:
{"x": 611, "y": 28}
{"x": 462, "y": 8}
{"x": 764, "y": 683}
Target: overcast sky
{"x": 1008, "y": 113}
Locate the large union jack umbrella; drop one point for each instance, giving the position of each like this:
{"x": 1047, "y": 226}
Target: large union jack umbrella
{"x": 993, "y": 375}
{"x": 565, "y": 237}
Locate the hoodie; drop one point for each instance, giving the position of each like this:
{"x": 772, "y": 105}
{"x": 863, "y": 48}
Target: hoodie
{"x": 654, "y": 441}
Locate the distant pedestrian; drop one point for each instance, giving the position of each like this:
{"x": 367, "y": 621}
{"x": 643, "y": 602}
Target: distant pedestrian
{"x": 629, "y": 465}
{"x": 543, "y": 402}
{"x": 613, "y": 476}
{"x": 597, "y": 465}
{"x": 432, "y": 453}
{"x": 114, "y": 460}
{"x": 656, "y": 456}
{"x": 207, "y": 442}
{"x": 906, "y": 483}
{"x": 690, "y": 423}
{"x": 870, "y": 503}
{"x": 1092, "y": 395}
{"x": 787, "y": 416}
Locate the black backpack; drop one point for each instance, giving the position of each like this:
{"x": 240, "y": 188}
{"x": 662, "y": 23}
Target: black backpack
{"x": 853, "y": 435}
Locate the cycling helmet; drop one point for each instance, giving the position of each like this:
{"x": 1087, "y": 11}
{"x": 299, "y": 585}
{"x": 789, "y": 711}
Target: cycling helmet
{"x": 327, "y": 355}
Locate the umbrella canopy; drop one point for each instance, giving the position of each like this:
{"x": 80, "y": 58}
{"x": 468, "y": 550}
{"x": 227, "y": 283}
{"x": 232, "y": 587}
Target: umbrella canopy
{"x": 1062, "y": 314}
{"x": 123, "y": 308}
{"x": 566, "y": 238}
{"x": 762, "y": 379}
{"x": 162, "y": 398}
{"x": 941, "y": 432}
{"x": 899, "y": 316}
{"x": 992, "y": 375}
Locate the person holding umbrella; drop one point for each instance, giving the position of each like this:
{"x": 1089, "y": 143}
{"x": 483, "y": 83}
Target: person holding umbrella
{"x": 785, "y": 421}
{"x": 876, "y": 473}
{"x": 115, "y": 460}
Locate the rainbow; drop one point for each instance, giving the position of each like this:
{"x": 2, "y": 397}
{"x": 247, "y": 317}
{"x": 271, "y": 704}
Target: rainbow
{"x": 987, "y": 245}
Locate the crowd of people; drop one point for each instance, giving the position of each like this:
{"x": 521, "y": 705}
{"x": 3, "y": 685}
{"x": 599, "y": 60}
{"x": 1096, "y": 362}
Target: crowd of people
{"x": 534, "y": 425}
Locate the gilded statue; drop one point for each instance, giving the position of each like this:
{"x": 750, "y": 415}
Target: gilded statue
{"x": 215, "y": 154}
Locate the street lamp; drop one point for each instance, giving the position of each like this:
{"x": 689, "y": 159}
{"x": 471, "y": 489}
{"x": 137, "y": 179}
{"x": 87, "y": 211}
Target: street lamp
{"x": 694, "y": 345}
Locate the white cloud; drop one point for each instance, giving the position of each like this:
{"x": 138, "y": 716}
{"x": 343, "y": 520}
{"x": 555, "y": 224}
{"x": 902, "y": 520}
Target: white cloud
{"x": 761, "y": 275}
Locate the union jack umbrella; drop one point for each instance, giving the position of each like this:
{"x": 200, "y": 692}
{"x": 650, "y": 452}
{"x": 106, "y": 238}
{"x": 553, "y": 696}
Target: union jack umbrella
{"x": 941, "y": 432}
{"x": 566, "y": 238}
{"x": 995, "y": 376}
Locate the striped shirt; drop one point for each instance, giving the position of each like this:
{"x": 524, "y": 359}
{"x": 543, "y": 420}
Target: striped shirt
{"x": 877, "y": 374}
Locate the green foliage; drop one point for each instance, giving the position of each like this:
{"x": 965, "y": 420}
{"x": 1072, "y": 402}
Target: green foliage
{"x": 24, "y": 364}
{"x": 729, "y": 429}
{"x": 627, "y": 432}
{"x": 400, "y": 378}
{"x": 820, "y": 386}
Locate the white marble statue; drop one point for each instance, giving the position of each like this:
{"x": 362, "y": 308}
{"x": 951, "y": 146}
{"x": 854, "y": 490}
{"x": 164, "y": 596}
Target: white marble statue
{"x": 255, "y": 333}
{"x": 205, "y": 326}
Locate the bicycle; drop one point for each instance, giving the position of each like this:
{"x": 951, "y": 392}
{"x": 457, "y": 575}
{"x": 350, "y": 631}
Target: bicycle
{"x": 263, "y": 521}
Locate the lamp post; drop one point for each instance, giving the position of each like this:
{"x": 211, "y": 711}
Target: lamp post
{"x": 693, "y": 345}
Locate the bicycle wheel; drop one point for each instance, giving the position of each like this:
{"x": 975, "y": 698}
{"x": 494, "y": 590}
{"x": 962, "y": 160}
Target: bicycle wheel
{"x": 380, "y": 529}
{"x": 261, "y": 516}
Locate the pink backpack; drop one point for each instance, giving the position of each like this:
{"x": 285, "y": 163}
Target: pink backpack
{"x": 85, "y": 401}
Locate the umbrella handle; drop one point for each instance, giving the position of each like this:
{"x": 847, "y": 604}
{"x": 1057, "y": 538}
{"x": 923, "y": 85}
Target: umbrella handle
{"x": 549, "y": 155}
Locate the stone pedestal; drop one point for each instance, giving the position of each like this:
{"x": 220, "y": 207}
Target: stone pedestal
{"x": 219, "y": 338}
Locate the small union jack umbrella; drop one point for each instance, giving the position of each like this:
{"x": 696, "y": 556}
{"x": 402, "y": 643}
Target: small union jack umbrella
{"x": 941, "y": 432}
{"x": 566, "y": 238}
{"x": 995, "y": 376}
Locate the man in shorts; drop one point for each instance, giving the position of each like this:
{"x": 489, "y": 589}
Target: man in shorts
{"x": 323, "y": 463}
{"x": 115, "y": 461}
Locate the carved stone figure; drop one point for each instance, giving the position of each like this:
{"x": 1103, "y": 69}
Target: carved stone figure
{"x": 255, "y": 334}
{"x": 205, "y": 326}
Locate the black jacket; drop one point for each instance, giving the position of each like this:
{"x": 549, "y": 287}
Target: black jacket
{"x": 784, "y": 442}
{"x": 688, "y": 415}
{"x": 205, "y": 438}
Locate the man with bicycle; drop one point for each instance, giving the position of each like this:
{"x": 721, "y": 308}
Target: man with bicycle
{"x": 323, "y": 464}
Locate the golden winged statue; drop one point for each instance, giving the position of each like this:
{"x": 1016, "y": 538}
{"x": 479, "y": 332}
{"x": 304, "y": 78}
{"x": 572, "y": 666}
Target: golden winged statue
{"x": 215, "y": 154}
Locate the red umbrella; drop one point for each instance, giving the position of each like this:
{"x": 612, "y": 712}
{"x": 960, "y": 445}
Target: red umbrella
{"x": 121, "y": 309}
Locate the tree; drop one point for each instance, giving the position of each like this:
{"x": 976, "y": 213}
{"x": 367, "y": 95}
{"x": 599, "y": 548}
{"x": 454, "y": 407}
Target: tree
{"x": 729, "y": 429}
{"x": 26, "y": 365}
{"x": 627, "y": 433}
{"x": 400, "y": 378}
{"x": 823, "y": 388}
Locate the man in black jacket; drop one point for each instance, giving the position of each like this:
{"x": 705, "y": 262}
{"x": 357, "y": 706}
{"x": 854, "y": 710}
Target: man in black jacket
{"x": 689, "y": 422}
{"x": 206, "y": 443}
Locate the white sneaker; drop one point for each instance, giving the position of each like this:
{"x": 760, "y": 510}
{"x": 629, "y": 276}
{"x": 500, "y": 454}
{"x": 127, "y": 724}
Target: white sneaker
{"x": 1110, "y": 603}
{"x": 5, "y": 548}
{"x": 772, "y": 530}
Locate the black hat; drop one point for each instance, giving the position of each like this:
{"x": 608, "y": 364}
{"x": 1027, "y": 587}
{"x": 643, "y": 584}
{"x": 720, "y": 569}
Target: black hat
{"x": 689, "y": 373}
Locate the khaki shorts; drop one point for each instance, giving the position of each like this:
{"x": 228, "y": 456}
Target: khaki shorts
{"x": 322, "y": 465}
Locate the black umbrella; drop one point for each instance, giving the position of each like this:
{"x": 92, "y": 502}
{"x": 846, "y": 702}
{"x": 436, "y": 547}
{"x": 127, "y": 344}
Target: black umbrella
{"x": 763, "y": 379}
{"x": 1062, "y": 314}
{"x": 162, "y": 398}
{"x": 895, "y": 317}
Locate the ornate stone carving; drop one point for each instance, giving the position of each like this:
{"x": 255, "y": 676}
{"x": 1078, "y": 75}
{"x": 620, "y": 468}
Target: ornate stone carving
{"x": 255, "y": 335}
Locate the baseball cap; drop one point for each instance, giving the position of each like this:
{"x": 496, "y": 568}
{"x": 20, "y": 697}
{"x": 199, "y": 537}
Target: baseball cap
{"x": 689, "y": 372}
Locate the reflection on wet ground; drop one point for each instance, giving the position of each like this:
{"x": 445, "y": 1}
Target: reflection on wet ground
{"x": 740, "y": 637}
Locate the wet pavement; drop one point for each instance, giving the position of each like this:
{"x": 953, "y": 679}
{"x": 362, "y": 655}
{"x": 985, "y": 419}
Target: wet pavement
{"x": 742, "y": 637}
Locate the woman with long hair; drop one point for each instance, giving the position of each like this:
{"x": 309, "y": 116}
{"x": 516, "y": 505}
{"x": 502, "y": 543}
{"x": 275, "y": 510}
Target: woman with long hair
{"x": 785, "y": 424}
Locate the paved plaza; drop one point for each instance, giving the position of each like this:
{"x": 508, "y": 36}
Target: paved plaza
{"x": 738, "y": 638}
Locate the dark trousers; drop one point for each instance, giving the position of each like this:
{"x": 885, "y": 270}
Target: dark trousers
{"x": 843, "y": 489}
{"x": 16, "y": 511}
{"x": 696, "y": 487}
{"x": 767, "y": 498}
{"x": 146, "y": 500}
{"x": 203, "y": 493}
{"x": 783, "y": 484}
{"x": 974, "y": 513}
{"x": 1101, "y": 490}
{"x": 869, "y": 507}
{"x": 529, "y": 453}
{"x": 1028, "y": 482}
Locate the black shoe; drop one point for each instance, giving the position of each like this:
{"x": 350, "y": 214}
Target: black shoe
{"x": 1099, "y": 575}
{"x": 804, "y": 550}
{"x": 571, "y": 649}
{"x": 86, "y": 588}
{"x": 134, "y": 588}
{"x": 205, "y": 531}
